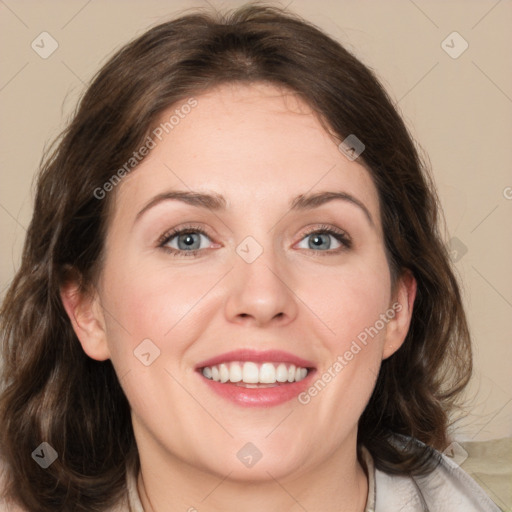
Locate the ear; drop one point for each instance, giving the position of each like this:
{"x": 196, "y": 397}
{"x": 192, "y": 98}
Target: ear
{"x": 402, "y": 305}
{"x": 86, "y": 315}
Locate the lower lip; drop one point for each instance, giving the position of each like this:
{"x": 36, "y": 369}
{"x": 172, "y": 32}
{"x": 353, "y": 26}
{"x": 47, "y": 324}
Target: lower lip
{"x": 259, "y": 397}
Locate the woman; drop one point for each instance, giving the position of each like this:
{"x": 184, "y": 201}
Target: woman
{"x": 233, "y": 292}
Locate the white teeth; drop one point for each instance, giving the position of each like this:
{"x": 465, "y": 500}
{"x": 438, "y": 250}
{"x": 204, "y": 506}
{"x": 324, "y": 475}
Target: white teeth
{"x": 250, "y": 373}
{"x": 292, "y": 373}
{"x": 235, "y": 372}
{"x": 282, "y": 373}
{"x": 224, "y": 373}
{"x": 254, "y": 373}
{"x": 267, "y": 373}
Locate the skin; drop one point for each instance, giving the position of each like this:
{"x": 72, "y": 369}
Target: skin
{"x": 259, "y": 147}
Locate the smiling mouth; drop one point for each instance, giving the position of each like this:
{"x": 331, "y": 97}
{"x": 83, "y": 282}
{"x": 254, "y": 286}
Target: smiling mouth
{"x": 250, "y": 374}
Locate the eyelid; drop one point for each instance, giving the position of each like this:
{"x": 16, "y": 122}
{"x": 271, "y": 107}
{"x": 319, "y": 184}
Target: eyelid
{"x": 163, "y": 239}
{"x": 323, "y": 228}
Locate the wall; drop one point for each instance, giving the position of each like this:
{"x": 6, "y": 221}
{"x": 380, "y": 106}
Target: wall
{"x": 457, "y": 105}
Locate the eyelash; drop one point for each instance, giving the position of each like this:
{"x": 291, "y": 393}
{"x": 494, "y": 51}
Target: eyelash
{"x": 339, "y": 235}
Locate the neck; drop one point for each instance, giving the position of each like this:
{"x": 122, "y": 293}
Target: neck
{"x": 339, "y": 484}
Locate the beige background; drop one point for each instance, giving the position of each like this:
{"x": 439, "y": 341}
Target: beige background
{"x": 459, "y": 110}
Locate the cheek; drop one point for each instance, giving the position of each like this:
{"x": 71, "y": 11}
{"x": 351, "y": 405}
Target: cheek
{"x": 151, "y": 301}
{"x": 357, "y": 296}
{"x": 158, "y": 312}
{"x": 349, "y": 300}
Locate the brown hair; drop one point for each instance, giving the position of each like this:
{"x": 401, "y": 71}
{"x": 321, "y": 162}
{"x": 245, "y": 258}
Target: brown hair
{"x": 54, "y": 392}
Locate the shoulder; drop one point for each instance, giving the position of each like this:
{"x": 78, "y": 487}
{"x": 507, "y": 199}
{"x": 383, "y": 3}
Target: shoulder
{"x": 446, "y": 489}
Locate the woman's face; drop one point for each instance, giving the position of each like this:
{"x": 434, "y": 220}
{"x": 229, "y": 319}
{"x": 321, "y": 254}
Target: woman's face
{"x": 247, "y": 291}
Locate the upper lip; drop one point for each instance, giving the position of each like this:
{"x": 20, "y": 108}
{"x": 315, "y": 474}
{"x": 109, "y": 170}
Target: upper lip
{"x": 274, "y": 356}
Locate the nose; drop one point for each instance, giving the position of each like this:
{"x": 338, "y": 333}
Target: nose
{"x": 261, "y": 292}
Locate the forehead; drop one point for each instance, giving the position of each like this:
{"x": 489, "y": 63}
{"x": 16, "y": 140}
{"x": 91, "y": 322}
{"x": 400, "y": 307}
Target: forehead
{"x": 254, "y": 144}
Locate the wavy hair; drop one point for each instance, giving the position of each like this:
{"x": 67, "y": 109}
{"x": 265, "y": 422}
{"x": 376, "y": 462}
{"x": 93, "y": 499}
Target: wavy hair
{"x": 52, "y": 391}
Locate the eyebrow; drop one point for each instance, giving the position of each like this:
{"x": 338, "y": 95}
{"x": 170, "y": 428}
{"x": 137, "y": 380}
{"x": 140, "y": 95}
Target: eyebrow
{"x": 217, "y": 202}
{"x": 309, "y": 201}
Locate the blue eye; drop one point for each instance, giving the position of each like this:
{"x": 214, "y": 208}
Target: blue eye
{"x": 321, "y": 238}
{"x": 188, "y": 241}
